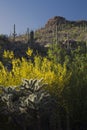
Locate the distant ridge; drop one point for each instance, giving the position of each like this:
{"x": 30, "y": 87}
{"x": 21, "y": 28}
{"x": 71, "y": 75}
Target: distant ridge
{"x": 73, "y": 30}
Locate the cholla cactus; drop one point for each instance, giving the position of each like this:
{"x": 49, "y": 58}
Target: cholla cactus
{"x": 30, "y": 100}
{"x": 36, "y": 94}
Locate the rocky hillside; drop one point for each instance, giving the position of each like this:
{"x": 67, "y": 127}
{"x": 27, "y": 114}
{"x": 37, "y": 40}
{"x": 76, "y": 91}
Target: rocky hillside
{"x": 61, "y": 29}
{"x": 56, "y": 29}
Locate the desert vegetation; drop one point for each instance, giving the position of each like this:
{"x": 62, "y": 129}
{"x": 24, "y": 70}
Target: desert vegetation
{"x": 44, "y": 86}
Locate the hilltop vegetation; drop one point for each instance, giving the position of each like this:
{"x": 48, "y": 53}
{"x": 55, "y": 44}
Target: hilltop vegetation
{"x": 57, "y": 26}
{"x": 57, "y": 29}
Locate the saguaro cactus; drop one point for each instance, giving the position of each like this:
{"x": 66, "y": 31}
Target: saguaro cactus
{"x": 31, "y": 37}
{"x": 28, "y": 35}
{"x": 14, "y": 33}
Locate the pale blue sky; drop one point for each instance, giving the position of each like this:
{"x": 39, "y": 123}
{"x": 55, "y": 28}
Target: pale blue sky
{"x": 35, "y": 13}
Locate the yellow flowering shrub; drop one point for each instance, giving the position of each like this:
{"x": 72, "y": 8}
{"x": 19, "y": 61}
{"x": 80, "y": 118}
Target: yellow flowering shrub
{"x": 55, "y": 75}
{"x": 8, "y": 54}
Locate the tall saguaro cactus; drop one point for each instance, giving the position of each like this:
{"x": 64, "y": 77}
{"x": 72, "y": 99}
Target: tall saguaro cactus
{"x": 57, "y": 33}
{"x": 31, "y": 37}
{"x": 58, "y": 29}
{"x": 28, "y": 35}
{"x": 14, "y": 33}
